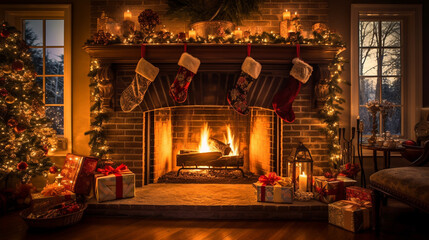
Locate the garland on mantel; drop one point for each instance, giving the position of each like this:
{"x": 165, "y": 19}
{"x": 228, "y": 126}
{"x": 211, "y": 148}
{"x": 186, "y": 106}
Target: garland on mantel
{"x": 329, "y": 113}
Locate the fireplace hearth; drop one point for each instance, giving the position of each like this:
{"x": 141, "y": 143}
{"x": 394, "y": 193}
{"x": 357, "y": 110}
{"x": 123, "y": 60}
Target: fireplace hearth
{"x": 149, "y": 140}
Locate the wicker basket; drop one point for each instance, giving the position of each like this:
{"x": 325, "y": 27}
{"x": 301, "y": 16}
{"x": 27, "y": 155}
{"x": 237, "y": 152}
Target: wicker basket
{"x": 55, "y": 222}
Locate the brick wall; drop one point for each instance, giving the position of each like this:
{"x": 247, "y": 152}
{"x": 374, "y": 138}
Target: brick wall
{"x": 311, "y": 11}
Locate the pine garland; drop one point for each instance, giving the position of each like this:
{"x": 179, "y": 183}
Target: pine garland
{"x": 97, "y": 141}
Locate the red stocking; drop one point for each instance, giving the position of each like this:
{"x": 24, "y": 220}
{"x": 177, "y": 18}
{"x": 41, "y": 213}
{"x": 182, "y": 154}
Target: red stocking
{"x": 188, "y": 68}
{"x": 282, "y": 101}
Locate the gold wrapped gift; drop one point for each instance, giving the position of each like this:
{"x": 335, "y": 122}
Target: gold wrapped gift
{"x": 350, "y": 215}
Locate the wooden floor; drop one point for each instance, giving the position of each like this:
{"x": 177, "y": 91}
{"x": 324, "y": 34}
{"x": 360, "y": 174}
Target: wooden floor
{"x": 400, "y": 223}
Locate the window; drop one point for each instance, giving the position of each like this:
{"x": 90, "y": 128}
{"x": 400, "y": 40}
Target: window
{"x": 386, "y": 64}
{"x": 380, "y": 71}
{"x": 47, "y": 31}
{"x": 45, "y": 37}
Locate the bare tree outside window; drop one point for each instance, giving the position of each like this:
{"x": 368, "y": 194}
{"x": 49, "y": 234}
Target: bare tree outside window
{"x": 380, "y": 71}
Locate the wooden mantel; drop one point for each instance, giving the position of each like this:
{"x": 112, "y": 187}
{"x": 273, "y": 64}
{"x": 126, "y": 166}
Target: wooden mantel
{"x": 212, "y": 53}
{"x": 276, "y": 60}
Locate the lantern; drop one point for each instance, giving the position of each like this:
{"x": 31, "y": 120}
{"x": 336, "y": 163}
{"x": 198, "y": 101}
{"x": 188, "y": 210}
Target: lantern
{"x": 302, "y": 169}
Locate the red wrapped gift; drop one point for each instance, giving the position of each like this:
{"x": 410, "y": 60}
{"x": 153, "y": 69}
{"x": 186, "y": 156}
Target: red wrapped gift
{"x": 329, "y": 190}
{"x": 360, "y": 193}
{"x": 78, "y": 173}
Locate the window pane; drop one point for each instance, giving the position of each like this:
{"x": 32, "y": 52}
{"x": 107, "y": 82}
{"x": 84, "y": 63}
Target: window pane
{"x": 54, "y": 90}
{"x": 54, "y": 32}
{"x": 54, "y": 61}
{"x": 33, "y": 32}
{"x": 366, "y": 117}
{"x": 368, "y": 90}
{"x": 37, "y": 56}
{"x": 368, "y": 34}
{"x": 393, "y": 121}
{"x": 391, "y": 61}
{"x": 391, "y": 90}
{"x": 56, "y": 115}
{"x": 391, "y": 34}
{"x": 39, "y": 82}
{"x": 368, "y": 61}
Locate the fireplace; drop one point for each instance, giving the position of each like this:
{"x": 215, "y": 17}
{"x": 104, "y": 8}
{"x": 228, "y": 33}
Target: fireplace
{"x": 149, "y": 139}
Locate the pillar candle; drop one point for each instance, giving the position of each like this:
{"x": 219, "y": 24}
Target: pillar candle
{"x": 284, "y": 28}
{"x": 127, "y": 15}
{"x": 303, "y": 182}
{"x": 286, "y": 15}
{"x": 192, "y": 34}
{"x": 238, "y": 34}
{"x": 295, "y": 15}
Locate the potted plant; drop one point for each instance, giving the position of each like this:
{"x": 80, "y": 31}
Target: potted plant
{"x": 213, "y": 17}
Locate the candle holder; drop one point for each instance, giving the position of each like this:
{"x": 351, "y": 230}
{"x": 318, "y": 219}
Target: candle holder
{"x": 303, "y": 162}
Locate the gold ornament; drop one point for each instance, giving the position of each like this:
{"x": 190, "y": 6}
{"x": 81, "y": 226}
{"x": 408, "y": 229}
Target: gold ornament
{"x": 7, "y": 69}
{"x": 10, "y": 99}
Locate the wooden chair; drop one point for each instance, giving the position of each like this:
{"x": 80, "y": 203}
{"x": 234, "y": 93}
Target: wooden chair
{"x": 409, "y": 185}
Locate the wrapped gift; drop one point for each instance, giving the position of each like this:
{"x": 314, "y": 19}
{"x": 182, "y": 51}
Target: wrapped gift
{"x": 114, "y": 183}
{"x": 329, "y": 190}
{"x": 275, "y": 189}
{"x": 350, "y": 215}
{"x": 78, "y": 173}
{"x": 360, "y": 193}
{"x": 41, "y": 201}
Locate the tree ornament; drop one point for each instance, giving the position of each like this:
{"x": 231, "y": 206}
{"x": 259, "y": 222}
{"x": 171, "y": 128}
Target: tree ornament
{"x": 22, "y": 166}
{"x": 12, "y": 122}
{"x": 3, "y": 92}
{"x": 18, "y": 65}
{"x": 19, "y": 129}
{"x": 5, "y": 33}
{"x": 53, "y": 169}
{"x": 10, "y": 99}
{"x": 7, "y": 69}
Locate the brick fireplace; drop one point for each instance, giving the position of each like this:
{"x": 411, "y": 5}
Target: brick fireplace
{"x": 149, "y": 138}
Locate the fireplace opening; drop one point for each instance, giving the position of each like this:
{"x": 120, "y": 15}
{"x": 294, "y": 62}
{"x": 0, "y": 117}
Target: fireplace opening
{"x": 209, "y": 144}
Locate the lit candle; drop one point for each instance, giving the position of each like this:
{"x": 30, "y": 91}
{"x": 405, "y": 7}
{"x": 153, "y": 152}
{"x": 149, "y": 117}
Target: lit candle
{"x": 192, "y": 34}
{"x": 303, "y": 182}
{"x": 286, "y": 15}
{"x": 127, "y": 15}
{"x": 238, "y": 34}
{"x": 59, "y": 178}
{"x": 295, "y": 15}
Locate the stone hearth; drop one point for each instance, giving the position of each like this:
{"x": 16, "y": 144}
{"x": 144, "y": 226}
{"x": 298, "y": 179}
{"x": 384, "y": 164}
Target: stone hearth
{"x": 206, "y": 201}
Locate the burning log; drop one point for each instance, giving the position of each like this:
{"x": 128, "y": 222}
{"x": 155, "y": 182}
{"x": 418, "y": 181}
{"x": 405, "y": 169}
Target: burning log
{"x": 220, "y": 146}
{"x": 197, "y": 159}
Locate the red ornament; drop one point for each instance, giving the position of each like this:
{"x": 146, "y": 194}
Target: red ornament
{"x": 18, "y": 65}
{"x": 12, "y": 122}
{"x": 4, "y": 92}
{"x": 22, "y": 166}
{"x": 53, "y": 169}
{"x": 19, "y": 129}
{"x": 5, "y": 33}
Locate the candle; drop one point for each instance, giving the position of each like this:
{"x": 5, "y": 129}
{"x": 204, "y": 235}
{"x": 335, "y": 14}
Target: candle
{"x": 284, "y": 28}
{"x": 304, "y": 34}
{"x": 59, "y": 178}
{"x": 303, "y": 182}
{"x": 238, "y": 34}
{"x": 286, "y": 15}
{"x": 295, "y": 15}
{"x": 192, "y": 34}
{"x": 127, "y": 15}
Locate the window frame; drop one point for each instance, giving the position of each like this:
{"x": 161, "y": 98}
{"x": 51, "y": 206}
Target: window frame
{"x": 411, "y": 62}
{"x": 15, "y": 14}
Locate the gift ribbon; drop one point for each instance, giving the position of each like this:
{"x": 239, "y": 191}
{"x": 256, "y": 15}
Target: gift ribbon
{"x": 109, "y": 169}
{"x": 269, "y": 179}
{"x": 249, "y": 48}
{"x": 119, "y": 185}
{"x": 143, "y": 50}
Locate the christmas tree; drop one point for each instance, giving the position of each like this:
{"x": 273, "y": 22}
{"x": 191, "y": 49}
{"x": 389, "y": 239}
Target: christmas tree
{"x": 26, "y": 135}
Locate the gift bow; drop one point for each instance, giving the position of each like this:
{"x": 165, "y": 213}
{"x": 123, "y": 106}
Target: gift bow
{"x": 109, "y": 169}
{"x": 269, "y": 179}
{"x": 356, "y": 203}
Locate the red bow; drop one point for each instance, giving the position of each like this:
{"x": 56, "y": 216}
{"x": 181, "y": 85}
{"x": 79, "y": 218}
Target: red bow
{"x": 109, "y": 169}
{"x": 269, "y": 179}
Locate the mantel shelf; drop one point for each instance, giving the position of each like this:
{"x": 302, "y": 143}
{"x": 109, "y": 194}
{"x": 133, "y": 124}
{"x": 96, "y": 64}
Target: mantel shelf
{"x": 212, "y": 53}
